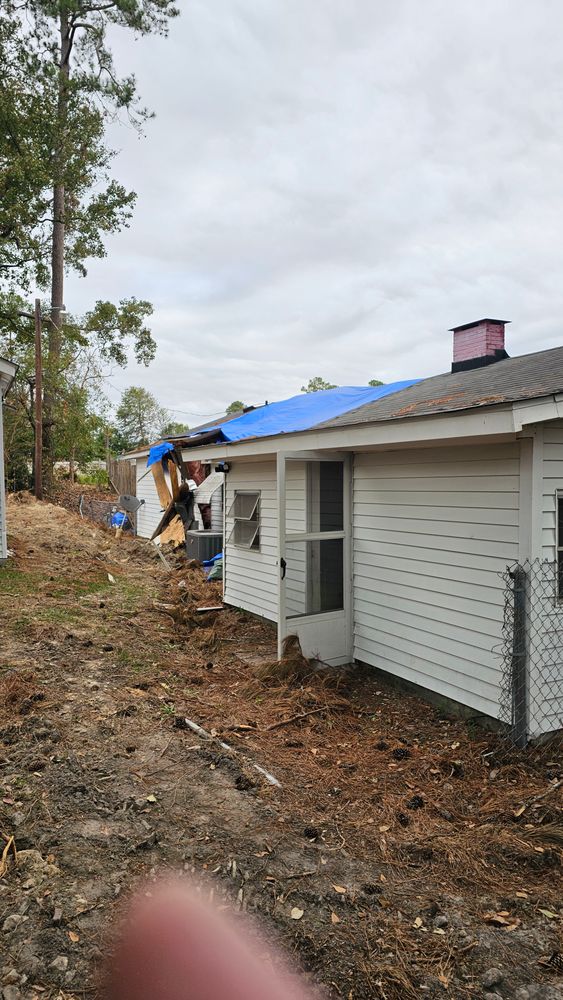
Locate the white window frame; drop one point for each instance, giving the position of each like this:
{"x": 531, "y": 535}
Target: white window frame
{"x": 253, "y": 544}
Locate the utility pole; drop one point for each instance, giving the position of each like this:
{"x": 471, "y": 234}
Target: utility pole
{"x": 38, "y": 466}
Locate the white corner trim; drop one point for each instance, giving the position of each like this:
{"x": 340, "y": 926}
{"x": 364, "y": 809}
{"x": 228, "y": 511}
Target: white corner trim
{"x": 531, "y": 494}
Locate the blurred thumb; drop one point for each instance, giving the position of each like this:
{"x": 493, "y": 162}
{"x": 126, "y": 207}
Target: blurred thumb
{"x": 174, "y": 946}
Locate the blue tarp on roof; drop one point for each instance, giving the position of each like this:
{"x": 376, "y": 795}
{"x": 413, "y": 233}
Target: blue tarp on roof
{"x": 301, "y": 413}
{"x": 158, "y": 451}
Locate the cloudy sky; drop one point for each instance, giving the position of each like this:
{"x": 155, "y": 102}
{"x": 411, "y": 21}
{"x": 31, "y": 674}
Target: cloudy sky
{"x": 329, "y": 185}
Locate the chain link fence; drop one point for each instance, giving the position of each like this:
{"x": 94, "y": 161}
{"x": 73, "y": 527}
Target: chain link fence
{"x": 97, "y": 510}
{"x": 531, "y": 703}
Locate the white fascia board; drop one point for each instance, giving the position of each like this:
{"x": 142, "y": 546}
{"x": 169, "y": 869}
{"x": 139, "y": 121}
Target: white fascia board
{"x": 467, "y": 425}
{"x": 537, "y": 411}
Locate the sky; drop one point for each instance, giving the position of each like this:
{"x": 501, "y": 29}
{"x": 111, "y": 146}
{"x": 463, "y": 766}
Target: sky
{"x": 329, "y": 185}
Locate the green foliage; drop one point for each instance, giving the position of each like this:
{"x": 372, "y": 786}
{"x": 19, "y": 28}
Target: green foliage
{"x": 26, "y": 142}
{"x": 59, "y": 91}
{"x": 235, "y": 407}
{"x": 139, "y": 419}
{"x": 18, "y": 447}
{"x": 172, "y": 428}
{"x": 56, "y": 99}
{"x": 113, "y": 326}
{"x": 93, "y": 477}
{"x": 317, "y": 384}
{"x": 80, "y": 405}
{"x": 39, "y": 151}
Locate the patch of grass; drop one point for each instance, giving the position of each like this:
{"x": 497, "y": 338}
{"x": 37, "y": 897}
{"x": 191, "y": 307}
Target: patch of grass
{"x": 130, "y": 595}
{"x": 92, "y": 586}
{"x": 59, "y": 614}
{"x": 20, "y": 624}
{"x": 80, "y": 588}
{"x": 131, "y": 661}
{"x": 14, "y": 581}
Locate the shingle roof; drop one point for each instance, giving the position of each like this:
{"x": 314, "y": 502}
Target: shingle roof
{"x": 526, "y": 377}
{"x": 299, "y": 413}
{"x": 218, "y": 420}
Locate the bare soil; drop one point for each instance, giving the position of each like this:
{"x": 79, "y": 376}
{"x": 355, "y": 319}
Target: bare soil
{"x": 398, "y": 833}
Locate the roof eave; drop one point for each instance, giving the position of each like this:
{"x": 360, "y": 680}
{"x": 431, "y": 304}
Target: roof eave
{"x": 8, "y": 370}
{"x": 476, "y": 423}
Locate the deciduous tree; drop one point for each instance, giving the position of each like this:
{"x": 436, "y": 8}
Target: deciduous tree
{"x": 172, "y": 428}
{"x": 317, "y": 384}
{"x": 139, "y": 419}
{"x": 235, "y": 407}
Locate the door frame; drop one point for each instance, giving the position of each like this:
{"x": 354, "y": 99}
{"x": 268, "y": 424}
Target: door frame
{"x": 343, "y": 616}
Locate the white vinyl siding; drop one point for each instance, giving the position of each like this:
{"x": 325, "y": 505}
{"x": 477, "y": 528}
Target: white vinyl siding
{"x": 433, "y": 529}
{"x": 295, "y": 520}
{"x": 151, "y": 511}
{"x": 251, "y": 576}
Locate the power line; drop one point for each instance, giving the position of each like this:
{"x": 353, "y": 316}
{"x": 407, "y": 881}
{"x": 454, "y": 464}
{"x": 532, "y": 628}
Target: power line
{"x": 185, "y": 413}
{"x": 193, "y": 413}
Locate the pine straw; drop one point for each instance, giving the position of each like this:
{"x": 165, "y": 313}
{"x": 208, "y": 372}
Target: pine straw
{"x": 337, "y": 742}
{"x": 291, "y": 667}
{"x": 350, "y": 751}
{"x": 18, "y": 688}
{"x": 355, "y": 758}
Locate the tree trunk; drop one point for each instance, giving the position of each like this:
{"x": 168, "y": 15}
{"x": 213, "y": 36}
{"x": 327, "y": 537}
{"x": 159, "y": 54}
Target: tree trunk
{"x": 71, "y": 468}
{"x": 54, "y": 344}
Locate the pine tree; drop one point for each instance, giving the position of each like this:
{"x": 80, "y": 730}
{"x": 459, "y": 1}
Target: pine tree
{"x": 59, "y": 89}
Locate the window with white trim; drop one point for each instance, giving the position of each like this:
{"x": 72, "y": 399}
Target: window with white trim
{"x": 245, "y": 510}
{"x": 559, "y": 543}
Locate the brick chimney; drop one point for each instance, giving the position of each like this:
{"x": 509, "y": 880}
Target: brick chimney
{"x": 478, "y": 344}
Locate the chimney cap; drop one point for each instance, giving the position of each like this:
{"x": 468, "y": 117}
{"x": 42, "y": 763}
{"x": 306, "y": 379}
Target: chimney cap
{"x": 477, "y": 322}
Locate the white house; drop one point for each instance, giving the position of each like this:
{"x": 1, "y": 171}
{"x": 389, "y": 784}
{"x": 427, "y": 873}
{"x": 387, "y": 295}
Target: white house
{"x": 382, "y": 534}
{"x": 7, "y": 373}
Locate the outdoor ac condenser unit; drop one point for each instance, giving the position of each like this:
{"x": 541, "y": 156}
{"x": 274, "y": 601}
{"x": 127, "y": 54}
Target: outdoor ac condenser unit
{"x": 203, "y": 545}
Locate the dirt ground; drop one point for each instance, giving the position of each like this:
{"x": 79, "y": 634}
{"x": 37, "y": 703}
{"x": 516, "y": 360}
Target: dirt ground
{"x": 405, "y": 854}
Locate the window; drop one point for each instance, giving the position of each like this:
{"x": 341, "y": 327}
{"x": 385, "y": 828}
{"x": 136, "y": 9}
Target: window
{"x": 559, "y": 543}
{"x": 325, "y": 496}
{"x": 314, "y": 577}
{"x": 245, "y": 509}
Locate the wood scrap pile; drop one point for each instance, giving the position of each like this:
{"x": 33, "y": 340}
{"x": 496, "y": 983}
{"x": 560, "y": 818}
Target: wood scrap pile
{"x": 176, "y": 498}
